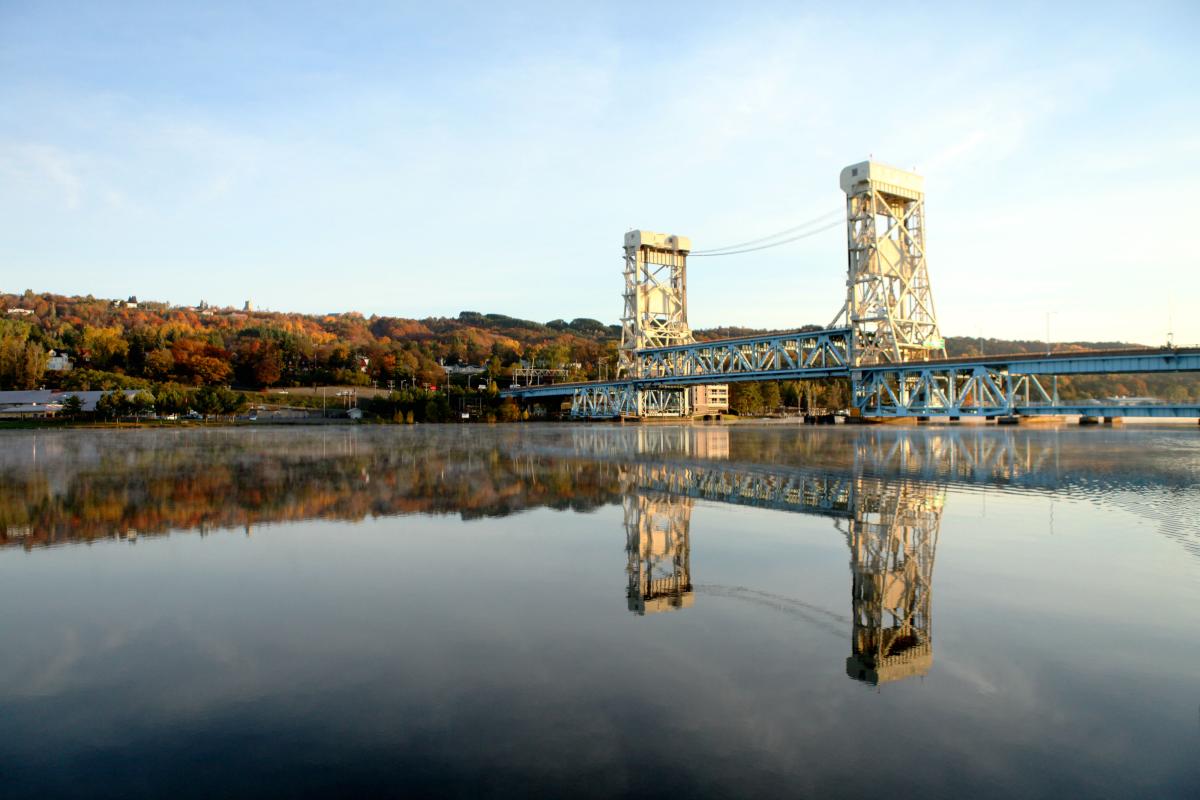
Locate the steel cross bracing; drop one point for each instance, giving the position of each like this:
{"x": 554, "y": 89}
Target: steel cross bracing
{"x": 1010, "y": 386}
{"x": 598, "y": 401}
{"x": 787, "y": 354}
{"x": 889, "y": 299}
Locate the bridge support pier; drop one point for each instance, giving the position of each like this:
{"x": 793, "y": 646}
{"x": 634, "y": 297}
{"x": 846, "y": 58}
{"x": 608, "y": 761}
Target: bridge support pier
{"x": 1089, "y": 420}
{"x": 1114, "y": 420}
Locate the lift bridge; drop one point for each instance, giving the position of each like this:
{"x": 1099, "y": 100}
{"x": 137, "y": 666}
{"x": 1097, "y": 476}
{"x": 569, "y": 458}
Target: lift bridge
{"x": 885, "y": 339}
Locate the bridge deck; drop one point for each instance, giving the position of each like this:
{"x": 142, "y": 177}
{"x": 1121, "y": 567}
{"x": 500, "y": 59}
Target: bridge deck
{"x": 1081, "y": 362}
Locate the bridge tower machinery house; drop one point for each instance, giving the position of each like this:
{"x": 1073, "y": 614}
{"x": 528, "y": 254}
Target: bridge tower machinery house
{"x": 889, "y": 301}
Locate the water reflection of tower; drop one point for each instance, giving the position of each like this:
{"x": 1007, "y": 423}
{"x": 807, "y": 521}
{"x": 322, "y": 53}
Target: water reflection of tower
{"x": 659, "y": 551}
{"x": 893, "y": 538}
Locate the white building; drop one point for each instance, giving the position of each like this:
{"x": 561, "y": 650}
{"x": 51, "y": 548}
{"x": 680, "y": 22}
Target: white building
{"x": 710, "y": 399}
{"x": 28, "y": 403}
{"x": 58, "y": 362}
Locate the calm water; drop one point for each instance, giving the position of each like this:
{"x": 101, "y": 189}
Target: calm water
{"x": 567, "y": 610}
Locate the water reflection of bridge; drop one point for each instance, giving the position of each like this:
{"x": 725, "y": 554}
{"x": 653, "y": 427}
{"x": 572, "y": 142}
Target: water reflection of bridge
{"x": 954, "y": 455}
{"x": 891, "y": 528}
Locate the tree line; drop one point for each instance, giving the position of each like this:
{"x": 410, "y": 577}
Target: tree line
{"x": 175, "y": 350}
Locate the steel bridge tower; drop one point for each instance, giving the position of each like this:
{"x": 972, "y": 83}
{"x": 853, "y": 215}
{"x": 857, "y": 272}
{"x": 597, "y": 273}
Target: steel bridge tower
{"x": 655, "y": 296}
{"x": 889, "y": 302}
{"x": 893, "y": 539}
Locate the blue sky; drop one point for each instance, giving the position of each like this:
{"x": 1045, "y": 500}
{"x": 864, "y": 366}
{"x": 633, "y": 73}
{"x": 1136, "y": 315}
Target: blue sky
{"x": 419, "y": 160}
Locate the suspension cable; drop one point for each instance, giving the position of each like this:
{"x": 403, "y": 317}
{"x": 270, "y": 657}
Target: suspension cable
{"x": 762, "y": 239}
{"x": 805, "y": 235}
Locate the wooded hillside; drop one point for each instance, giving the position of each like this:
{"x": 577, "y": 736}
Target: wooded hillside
{"x": 125, "y": 343}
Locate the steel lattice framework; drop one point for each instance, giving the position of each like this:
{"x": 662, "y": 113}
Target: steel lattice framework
{"x": 700, "y": 362}
{"x": 889, "y": 301}
{"x": 655, "y": 295}
{"x": 1000, "y": 386}
{"x": 627, "y": 400}
{"x": 667, "y": 371}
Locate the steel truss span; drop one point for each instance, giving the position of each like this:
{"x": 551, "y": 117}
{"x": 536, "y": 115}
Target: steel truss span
{"x": 807, "y": 352}
{"x": 627, "y": 400}
{"x": 1016, "y": 387}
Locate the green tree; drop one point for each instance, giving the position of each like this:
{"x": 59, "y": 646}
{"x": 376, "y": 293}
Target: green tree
{"x": 791, "y": 394}
{"x": 1177, "y": 393}
{"x": 771, "y": 397}
{"x": 745, "y": 398}
{"x": 22, "y": 361}
{"x": 111, "y": 405}
{"x": 142, "y": 402}
{"x": 218, "y": 400}
{"x": 72, "y": 406}
{"x": 171, "y": 399}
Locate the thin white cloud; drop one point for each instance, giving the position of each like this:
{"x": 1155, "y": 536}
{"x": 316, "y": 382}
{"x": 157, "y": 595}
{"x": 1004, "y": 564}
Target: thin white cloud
{"x": 47, "y": 165}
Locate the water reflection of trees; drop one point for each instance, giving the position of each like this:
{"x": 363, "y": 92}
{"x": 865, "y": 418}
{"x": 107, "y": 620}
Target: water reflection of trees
{"x": 76, "y": 486}
{"x": 151, "y": 487}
